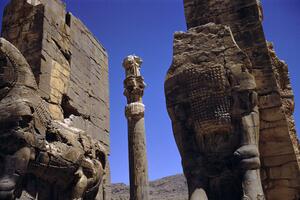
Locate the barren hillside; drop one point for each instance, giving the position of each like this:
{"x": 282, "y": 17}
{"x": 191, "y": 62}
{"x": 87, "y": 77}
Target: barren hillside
{"x": 168, "y": 188}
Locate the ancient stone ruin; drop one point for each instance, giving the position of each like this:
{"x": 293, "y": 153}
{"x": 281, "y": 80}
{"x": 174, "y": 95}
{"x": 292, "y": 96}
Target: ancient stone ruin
{"x": 54, "y": 105}
{"x": 228, "y": 95}
{"x": 230, "y": 101}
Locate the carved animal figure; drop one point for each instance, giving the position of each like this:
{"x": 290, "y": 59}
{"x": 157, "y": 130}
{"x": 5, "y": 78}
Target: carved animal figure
{"x": 49, "y": 159}
{"x": 211, "y": 100}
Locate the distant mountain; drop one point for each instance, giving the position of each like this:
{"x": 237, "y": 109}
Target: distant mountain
{"x": 168, "y": 188}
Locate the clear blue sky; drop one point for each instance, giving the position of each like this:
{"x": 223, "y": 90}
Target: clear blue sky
{"x": 146, "y": 27}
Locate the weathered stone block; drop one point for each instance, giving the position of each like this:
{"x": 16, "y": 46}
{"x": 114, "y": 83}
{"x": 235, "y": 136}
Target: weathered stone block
{"x": 279, "y": 193}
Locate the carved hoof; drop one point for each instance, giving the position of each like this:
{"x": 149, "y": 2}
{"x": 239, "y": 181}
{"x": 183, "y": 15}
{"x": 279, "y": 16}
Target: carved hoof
{"x": 7, "y": 195}
{"x": 247, "y": 151}
{"x": 248, "y": 156}
{"x": 199, "y": 194}
{"x": 246, "y": 198}
{"x": 250, "y": 163}
{"x": 7, "y": 184}
{"x": 259, "y": 197}
{"x": 7, "y": 187}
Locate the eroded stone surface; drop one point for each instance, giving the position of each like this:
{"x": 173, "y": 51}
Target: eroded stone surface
{"x": 47, "y": 158}
{"x": 278, "y": 140}
{"x": 212, "y": 102}
{"x": 281, "y": 72}
{"x": 69, "y": 65}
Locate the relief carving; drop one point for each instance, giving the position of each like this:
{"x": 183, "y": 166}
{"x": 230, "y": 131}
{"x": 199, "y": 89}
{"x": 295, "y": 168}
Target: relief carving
{"x": 48, "y": 159}
{"x": 212, "y": 102}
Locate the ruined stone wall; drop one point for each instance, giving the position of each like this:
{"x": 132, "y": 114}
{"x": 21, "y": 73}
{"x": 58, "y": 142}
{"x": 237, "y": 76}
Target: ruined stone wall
{"x": 278, "y": 140}
{"x": 281, "y": 72}
{"x": 69, "y": 64}
{"x": 22, "y": 24}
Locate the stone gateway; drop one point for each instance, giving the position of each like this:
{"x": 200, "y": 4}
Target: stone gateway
{"x": 231, "y": 104}
{"x": 212, "y": 101}
{"x": 64, "y": 112}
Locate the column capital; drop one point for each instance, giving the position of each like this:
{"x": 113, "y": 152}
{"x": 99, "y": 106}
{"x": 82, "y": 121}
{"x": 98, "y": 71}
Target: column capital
{"x": 135, "y": 110}
{"x": 134, "y": 84}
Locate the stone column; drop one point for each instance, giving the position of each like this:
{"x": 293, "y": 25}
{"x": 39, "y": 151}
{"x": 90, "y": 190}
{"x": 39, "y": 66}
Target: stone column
{"x": 134, "y": 89}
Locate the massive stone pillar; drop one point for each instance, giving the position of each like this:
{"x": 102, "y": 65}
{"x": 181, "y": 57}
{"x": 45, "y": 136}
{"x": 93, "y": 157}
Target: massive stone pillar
{"x": 279, "y": 147}
{"x": 212, "y": 102}
{"x": 134, "y": 111}
{"x": 278, "y": 144}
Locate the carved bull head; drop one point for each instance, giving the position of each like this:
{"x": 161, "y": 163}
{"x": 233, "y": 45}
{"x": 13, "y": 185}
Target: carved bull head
{"x": 18, "y": 89}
